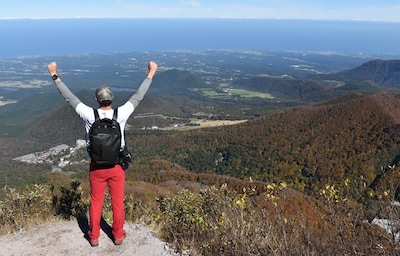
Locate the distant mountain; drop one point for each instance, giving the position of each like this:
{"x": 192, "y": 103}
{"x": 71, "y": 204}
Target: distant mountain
{"x": 385, "y": 73}
{"x": 369, "y": 77}
{"x": 175, "y": 82}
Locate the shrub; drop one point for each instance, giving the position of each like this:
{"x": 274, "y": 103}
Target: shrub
{"x": 213, "y": 222}
{"x": 19, "y": 210}
{"x": 136, "y": 210}
{"x": 218, "y": 221}
{"x": 71, "y": 202}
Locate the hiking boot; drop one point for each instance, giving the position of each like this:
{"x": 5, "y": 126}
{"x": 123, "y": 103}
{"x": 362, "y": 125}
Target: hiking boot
{"x": 94, "y": 242}
{"x": 118, "y": 241}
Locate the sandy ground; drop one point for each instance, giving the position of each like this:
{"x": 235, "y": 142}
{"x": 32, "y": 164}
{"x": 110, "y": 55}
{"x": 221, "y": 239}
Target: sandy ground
{"x": 67, "y": 238}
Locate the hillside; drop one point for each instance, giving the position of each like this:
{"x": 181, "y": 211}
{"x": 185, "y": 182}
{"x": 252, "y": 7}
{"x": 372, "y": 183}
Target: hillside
{"x": 386, "y": 73}
{"x": 375, "y": 73}
{"x": 175, "y": 82}
{"x": 307, "y": 147}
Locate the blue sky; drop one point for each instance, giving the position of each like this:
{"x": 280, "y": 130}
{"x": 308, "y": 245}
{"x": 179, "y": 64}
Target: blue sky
{"x": 373, "y": 10}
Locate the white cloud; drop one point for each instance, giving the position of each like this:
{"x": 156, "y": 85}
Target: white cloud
{"x": 191, "y": 3}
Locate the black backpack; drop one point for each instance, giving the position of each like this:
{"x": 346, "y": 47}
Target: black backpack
{"x": 105, "y": 140}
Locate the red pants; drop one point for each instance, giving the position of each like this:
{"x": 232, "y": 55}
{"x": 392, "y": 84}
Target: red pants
{"x": 115, "y": 179}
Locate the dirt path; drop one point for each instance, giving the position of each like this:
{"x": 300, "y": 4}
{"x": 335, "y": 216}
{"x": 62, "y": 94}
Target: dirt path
{"x": 67, "y": 238}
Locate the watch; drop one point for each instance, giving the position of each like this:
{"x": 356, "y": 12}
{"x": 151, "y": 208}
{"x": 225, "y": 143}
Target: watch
{"x": 54, "y": 77}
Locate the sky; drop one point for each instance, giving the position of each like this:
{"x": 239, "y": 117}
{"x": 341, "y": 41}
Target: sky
{"x": 366, "y": 10}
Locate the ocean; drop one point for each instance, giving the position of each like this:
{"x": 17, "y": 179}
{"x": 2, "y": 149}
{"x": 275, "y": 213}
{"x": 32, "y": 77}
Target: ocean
{"x": 46, "y": 37}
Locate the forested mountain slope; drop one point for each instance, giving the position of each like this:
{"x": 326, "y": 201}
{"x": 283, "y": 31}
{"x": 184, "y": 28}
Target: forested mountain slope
{"x": 383, "y": 72}
{"x": 307, "y": 147}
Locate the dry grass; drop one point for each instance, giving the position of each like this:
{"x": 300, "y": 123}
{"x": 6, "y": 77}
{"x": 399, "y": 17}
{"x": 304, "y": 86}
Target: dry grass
{"x": 222, "y": 222}
{"x": 205, "y": 124}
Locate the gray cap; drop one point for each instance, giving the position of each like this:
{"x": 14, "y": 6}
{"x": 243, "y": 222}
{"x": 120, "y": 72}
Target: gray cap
{"x": 104, "y": 94}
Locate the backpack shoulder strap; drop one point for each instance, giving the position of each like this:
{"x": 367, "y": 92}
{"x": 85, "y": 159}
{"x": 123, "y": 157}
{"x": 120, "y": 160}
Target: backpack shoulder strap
{"x": 115, "y": 115}
{"x": 96, "y": 114}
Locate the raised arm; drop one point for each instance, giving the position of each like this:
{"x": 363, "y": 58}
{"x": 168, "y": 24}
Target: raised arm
{"x": 62, "y": 88}
{"x": 144, "y": 87}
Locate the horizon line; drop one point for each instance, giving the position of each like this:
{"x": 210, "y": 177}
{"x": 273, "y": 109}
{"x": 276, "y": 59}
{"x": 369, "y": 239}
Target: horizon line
{"x": 193, "y": 18}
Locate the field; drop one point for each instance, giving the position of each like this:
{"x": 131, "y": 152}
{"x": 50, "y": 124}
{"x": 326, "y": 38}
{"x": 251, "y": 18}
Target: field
{"x": 231, "y": 92}
{"x": 205, "y": 124}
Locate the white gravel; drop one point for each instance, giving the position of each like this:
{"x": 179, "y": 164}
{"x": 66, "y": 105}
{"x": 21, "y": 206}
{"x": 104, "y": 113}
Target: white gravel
{"x": 67, "y": 238}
